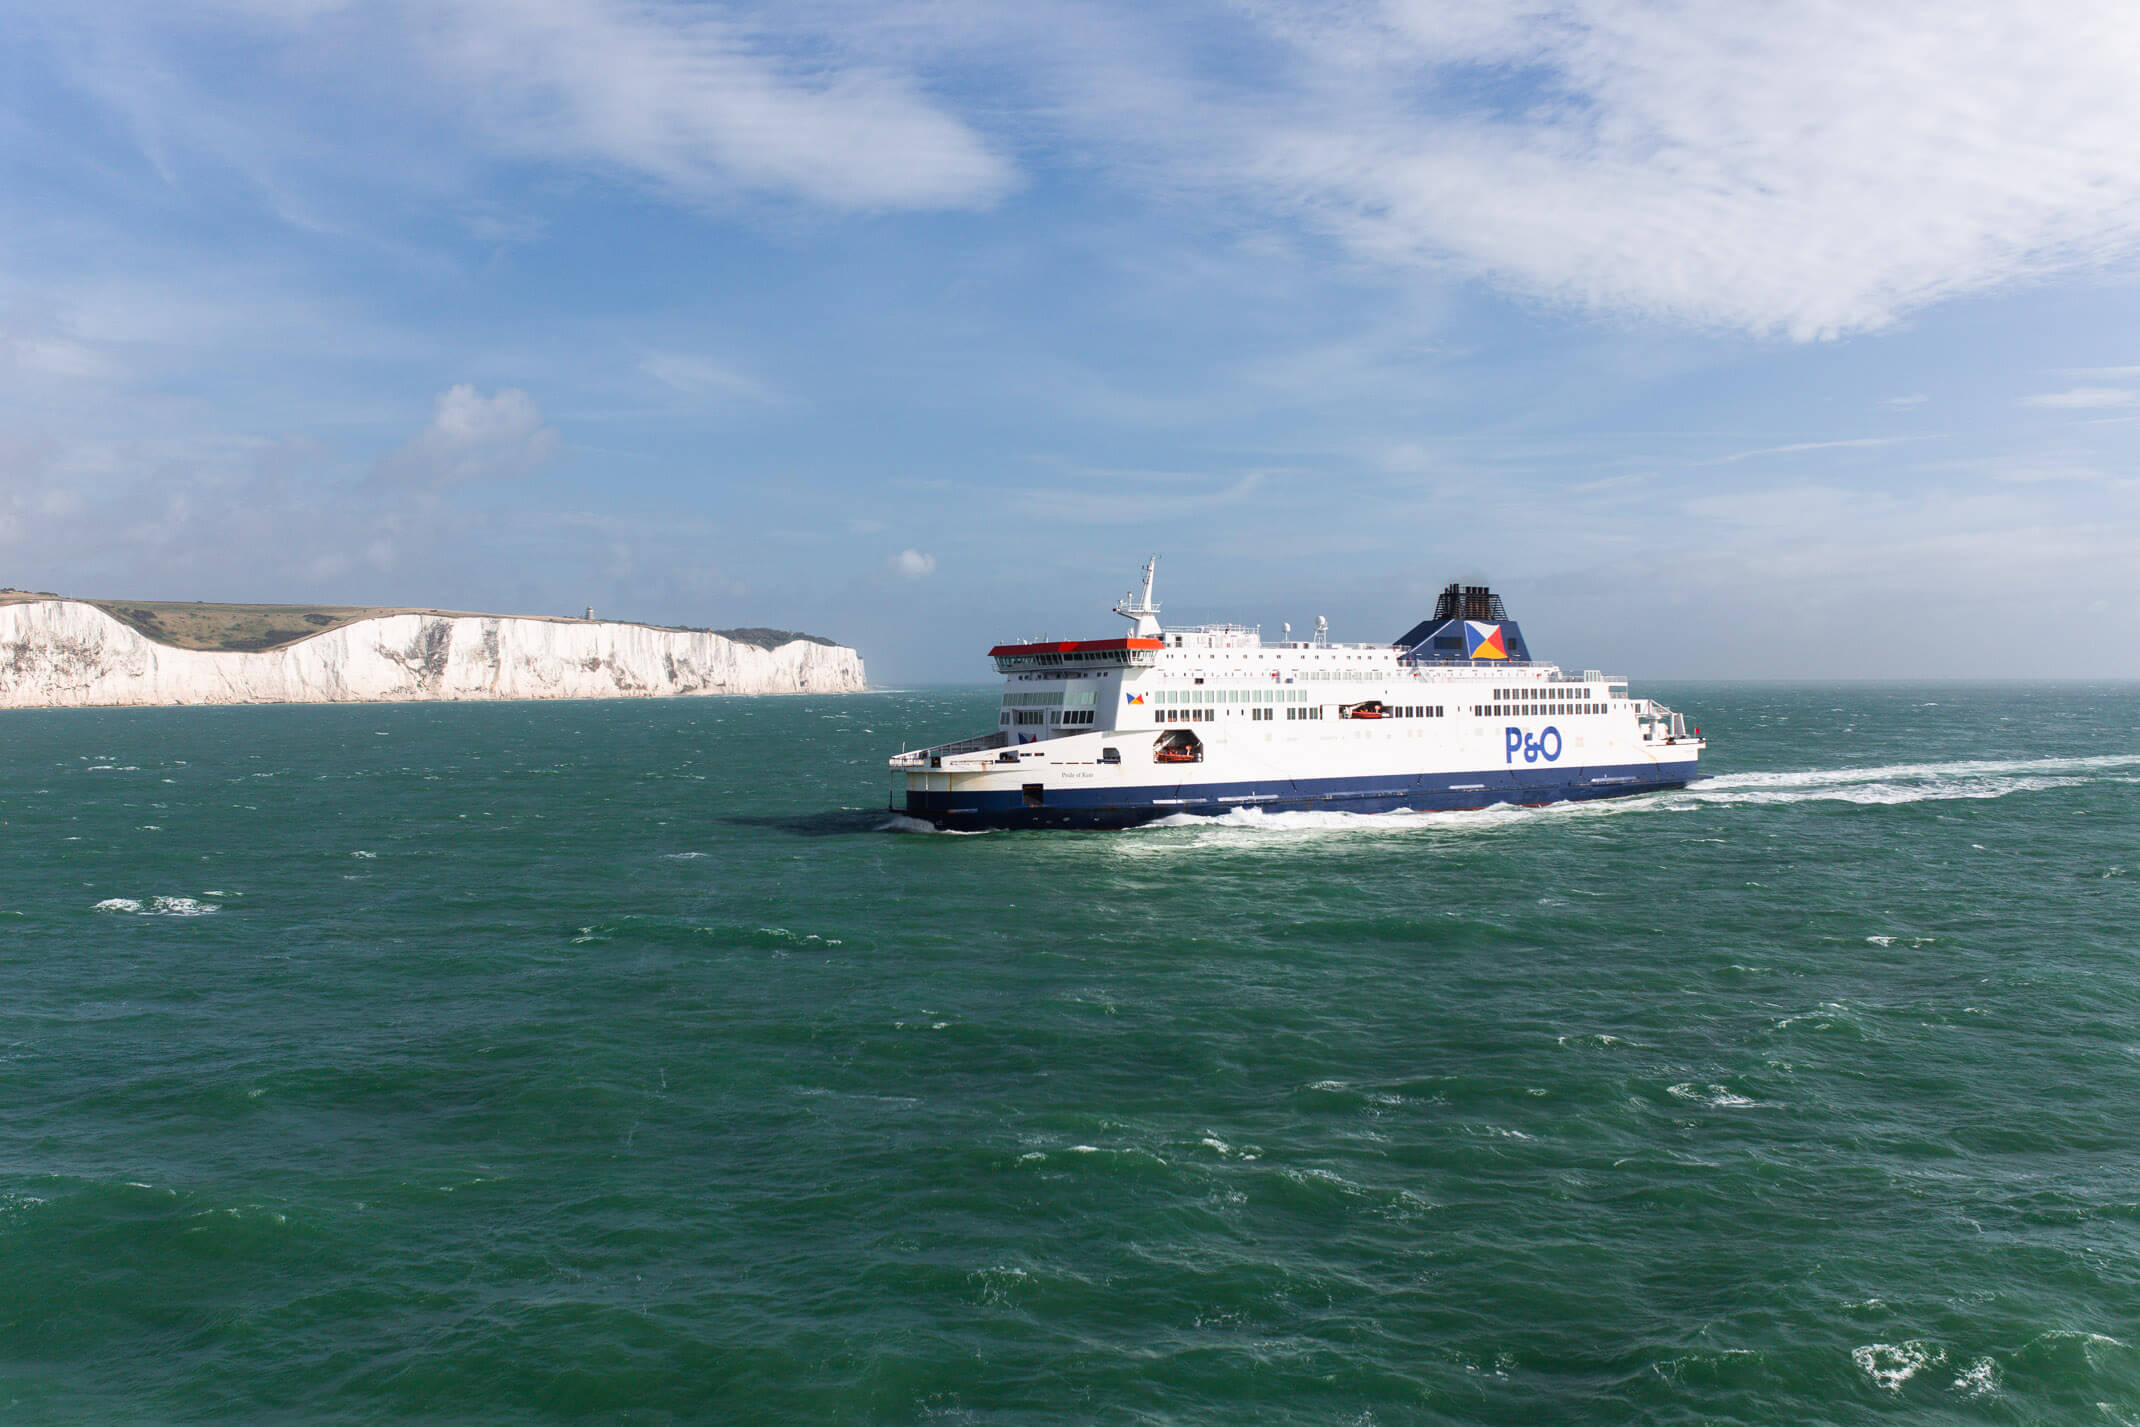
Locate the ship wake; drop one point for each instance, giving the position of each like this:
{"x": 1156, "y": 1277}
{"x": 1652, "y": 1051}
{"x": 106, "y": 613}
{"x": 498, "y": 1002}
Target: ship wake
{"x": 1908, "y": 782}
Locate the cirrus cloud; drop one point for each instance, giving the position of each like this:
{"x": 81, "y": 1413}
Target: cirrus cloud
{"x": 2085, "y": 398}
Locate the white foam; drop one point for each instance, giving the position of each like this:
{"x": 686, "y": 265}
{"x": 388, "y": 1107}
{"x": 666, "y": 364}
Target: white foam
{"x": 1979, "y": 1378}
{"x": 1890, "y": 1365}
{"x": 157, "y": 907}
{"x": 809, "y": 939}
{"x": 681, "y": 856}
{"x": 179, "y": 907}
{"x": 900, "y": 822}
{"x": 367, "y": 856}
{"x": 1904, "y": 782}
{"x": 1714, "y": 1096}
{"x": 1248, "y": 826}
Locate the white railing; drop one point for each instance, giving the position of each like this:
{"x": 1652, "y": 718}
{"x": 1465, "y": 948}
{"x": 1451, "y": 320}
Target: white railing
{"x": 930, "y": 757}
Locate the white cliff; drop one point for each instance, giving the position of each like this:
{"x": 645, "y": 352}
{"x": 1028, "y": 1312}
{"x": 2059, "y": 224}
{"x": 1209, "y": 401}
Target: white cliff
{"x": 57, "y": 653}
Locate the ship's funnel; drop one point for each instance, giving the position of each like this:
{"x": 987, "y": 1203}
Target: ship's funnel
{"x": 1470, "y": 626}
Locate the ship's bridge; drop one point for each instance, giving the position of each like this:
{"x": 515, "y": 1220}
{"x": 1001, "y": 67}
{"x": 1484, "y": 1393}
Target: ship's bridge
{"x": 1076, "y": 654}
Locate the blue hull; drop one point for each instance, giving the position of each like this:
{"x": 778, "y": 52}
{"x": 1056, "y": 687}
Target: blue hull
{"x": 1434, "y": 792}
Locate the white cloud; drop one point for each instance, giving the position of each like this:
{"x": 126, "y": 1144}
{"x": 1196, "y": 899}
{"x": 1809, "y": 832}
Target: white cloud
{"x": 338, "y": 100}
{"x": 1797, "y": 447}
{"x": 472, "y": 437}
{"x": 2084, "y": 398}
{"x": 914, "y": 565}
{"x": 699, "y": 376}
{"x": 495, "y": 223}
{"x": 1809, "y": 169}
{"x": 702, "y": 106}
{"x": 1916, "y": 398}
{"x": 54, "y": 357}
{"x": 1174, "y": 496}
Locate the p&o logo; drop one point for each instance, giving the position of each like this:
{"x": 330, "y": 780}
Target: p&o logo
{"x": 1545, "y": 745}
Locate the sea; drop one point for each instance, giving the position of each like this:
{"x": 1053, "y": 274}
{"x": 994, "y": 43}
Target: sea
{"x": 629, "y": 1062}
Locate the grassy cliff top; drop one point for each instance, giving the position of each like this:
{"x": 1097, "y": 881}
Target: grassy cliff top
{"x": 770, "y": 638}
{"x": 250, "y": 628}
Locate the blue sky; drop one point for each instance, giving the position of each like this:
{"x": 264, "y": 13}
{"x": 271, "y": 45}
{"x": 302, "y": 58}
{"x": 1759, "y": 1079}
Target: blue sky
{"x": 1797, "y": 340}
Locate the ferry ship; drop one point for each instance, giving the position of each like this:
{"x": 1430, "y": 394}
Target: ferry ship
{"x": 1107, "y": 733}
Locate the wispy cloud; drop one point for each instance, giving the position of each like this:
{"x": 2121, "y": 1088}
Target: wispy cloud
{"x": 1147, "y": 500}
{"x": 1807, "y": 170}
{"x": 1795, "y": 447}
{"x": 701, "y": 376}
{"x": 472, "y": 437}
{"x": 708, "y": 108}
{"x": 43, "y": 355}
{"x": 2085, "y": 398}
{"x": 704, "y": 106}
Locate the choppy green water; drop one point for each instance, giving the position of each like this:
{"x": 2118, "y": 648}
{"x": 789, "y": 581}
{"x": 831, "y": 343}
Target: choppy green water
{"x": 607, "y": 1062}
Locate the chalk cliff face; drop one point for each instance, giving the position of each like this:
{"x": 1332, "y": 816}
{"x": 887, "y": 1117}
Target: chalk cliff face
{"x": 62, "y": 652}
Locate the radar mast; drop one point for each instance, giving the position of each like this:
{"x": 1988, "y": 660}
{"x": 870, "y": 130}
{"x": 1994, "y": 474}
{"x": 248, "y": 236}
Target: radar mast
{"x": 1136, "y": 606}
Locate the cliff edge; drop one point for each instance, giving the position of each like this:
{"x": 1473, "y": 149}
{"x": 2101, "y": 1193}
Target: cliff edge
{"x": 66, "y": 653}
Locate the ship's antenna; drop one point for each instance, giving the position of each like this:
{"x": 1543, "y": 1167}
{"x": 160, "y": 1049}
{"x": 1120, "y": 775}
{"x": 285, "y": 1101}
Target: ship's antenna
{"x": 1136, "y": 606}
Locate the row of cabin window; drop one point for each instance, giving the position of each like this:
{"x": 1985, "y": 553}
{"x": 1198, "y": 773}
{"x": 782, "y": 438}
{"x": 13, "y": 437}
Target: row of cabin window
{"x": 1075, "y": 698}
{"x": 1272, "y": 695}
{"x": 1540, "y": 710}
{"x": 1207, "y": 715}
{"x": 1546, "y": 693}
{"x": 1311, "y": 712}
{"x": 1025, "y": 717}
